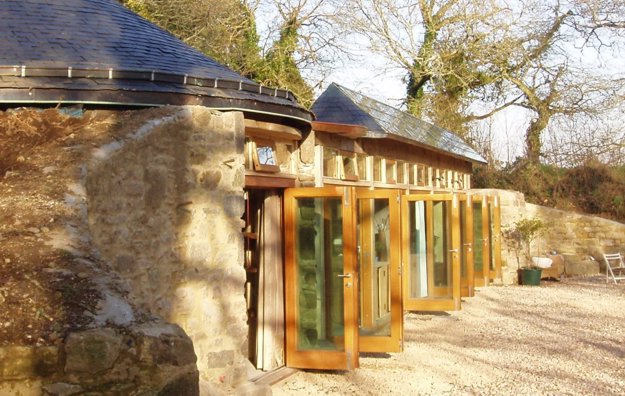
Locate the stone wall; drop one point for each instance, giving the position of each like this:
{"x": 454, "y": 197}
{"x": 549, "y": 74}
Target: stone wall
{"x": 164, "y": 209}
{"x": 580, "y": 239}
{"x": 142, "y": 359}
{"x": 120, "y": 252}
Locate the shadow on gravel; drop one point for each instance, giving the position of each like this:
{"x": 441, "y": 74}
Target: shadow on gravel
{"x": 377, "y": 355}
{"x": 430, "y": 313}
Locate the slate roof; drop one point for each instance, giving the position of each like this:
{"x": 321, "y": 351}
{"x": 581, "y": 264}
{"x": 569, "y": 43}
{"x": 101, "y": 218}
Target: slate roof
{"x": 341, "y": 105}
{"x": 112, "y": 50}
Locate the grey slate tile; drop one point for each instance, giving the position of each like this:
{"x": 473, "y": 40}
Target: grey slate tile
{"x": 341, "y": 105}
{"x": 101, "y": 34}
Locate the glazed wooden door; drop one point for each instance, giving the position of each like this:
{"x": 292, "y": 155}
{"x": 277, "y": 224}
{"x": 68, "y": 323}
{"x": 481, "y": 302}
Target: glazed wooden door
{"x": 431, "y": 252}
{"x": 467, "y": 269}
{"x": 379, "y": 292}
{"x": 320, "y": 279}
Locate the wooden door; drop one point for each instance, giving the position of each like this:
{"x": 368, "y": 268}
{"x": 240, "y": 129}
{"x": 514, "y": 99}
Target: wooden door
{"x": 431, "y": 252}
{"x": 378, "y": 236}
{"x": 320, "y": 279}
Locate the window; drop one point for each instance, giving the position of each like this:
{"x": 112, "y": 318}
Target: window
{"x": 421, "y": 175}
{"x": 330, "y": 165}
{"x": 261, "y": 156}
{"x": 412, "y": 174}
{"x": 283, "y": 153}
{"x": 350, "y": 167}
{"x": 361, "y": 159}
{"x": 391, "y": 174}
{"x": 401, "y": 172}
{"x": 377, "y": 169}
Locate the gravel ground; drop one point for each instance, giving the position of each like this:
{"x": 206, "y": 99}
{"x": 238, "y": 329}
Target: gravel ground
{"x": 561, "y": 338}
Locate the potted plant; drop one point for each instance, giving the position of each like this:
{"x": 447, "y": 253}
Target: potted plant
{"x": 524, "y": 232}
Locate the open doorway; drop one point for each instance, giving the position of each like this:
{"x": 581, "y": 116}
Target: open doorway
{"x": 264, "y": 288}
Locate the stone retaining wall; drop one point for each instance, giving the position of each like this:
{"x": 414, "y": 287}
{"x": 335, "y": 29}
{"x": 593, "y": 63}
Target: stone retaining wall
{"x": 146, "y": 359}
{"x": 580, "y": 239}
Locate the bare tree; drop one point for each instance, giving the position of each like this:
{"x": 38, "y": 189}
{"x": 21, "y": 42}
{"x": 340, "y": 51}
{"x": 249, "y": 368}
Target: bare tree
{"x": 578, "y": 140}
{"x": 539, "y": 66}
{"x": 295, "y": 49}
{"x": 301, "y": 45}
{"x": 531, "y": 54}
{"x": 438, "y": 43}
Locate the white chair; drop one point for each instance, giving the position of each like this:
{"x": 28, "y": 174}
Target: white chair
{"x": 614, "y": 267}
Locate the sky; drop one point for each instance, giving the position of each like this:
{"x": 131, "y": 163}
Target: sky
{"x": 372, "y": 78}
{"x": 371, "y": 75}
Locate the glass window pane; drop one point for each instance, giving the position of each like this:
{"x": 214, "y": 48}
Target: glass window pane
{"x": 362, "y": 167}
{"x": 390, "y": 167}
{"x": 349, "y": 167}
{"x": 283, "y": 155}
{"x": 329, "y": 162}
{"x": 421, "y": 175}
{"x": 400, "y": 172}
{"x": 319, "y": 261}
{"x": 377, "y": 169}
{"x": 412, "y": 174}
{"x": 266, "y": 155}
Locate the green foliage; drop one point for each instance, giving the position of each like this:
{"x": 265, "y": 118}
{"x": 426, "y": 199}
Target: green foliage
{"x": 279, "y": 68}
{"x": 524, "y": 232}
{"x": 225, "y": 30}
{"x": 593, "y": 188}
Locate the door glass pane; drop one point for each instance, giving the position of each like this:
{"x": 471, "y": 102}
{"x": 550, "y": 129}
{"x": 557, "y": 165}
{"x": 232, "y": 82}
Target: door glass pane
{"x": 478, "y": 238}
{"x": 418, "y": 251}
{"x": 442, "y": 243}
{"x": 463, "y": 241}
{"x": 491, "y": 227}
{"x": 430, "y": 259}
{"x": 374, "y": 271}
{"x": 319, "y": 261}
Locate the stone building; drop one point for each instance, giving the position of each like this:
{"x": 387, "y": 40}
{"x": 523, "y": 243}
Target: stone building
{"x": 122, "y": 180}
{"x": 169, "y": 226}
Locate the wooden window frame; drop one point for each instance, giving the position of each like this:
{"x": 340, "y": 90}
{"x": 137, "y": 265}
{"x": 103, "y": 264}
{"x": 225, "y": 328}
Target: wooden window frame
{"x": 401, "y": 165}
{"x": 353, "y": 158}
{"x": 381, "y": 169}
{"x": 388, "y": 164}
{"x": 258, "y": 166}
{"x": 338, "y": 164}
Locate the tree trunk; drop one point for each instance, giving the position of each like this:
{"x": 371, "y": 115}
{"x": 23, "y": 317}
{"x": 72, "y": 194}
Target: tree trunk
{"x": 533, "y": 145}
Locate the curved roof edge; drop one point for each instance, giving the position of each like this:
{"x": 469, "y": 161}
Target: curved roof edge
{"x": 23, "y": 84}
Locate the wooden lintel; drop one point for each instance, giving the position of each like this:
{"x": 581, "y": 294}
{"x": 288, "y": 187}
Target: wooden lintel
{"x": 271, "y": 131}
{"x": 262, "y": 181}
{"x": 347, "y": 130}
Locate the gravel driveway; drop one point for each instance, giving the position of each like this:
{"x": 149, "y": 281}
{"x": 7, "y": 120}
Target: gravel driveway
{"x": 561, "y": 338}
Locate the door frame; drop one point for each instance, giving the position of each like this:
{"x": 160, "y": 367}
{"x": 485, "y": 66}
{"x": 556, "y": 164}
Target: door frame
{"x": 495, "y": 236}
{"x": 392, "y": 343}
{"x": 483, "y": 278}
{"x": 430, "y": 303}
{"x": 467, "y": 282}
{"x": 346, "y": 359}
